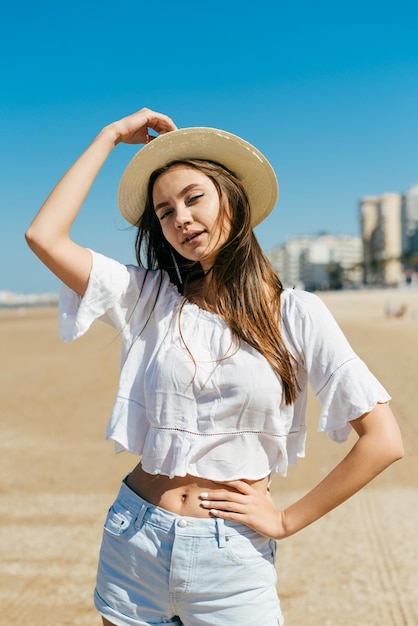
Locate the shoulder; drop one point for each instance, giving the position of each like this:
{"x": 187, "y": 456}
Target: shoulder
{"x": 129, "y": 289}
{"x": 310, "y": 326}
{"x": 299, "y": 304}
{"x": 125, "y": 277}
{"x": 298, "y": 308}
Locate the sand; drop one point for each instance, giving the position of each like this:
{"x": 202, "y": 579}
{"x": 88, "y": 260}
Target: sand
{"x": 358, "y": 565}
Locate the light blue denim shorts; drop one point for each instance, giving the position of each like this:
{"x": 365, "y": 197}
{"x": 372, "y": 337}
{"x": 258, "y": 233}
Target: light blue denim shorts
{"x": 158, "y": 568}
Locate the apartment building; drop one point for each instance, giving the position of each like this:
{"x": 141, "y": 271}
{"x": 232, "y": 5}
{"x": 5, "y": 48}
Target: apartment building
{"x": 319, "y": 262}
{"x": 381, "y": 229}
{"x": 409, "y": 223}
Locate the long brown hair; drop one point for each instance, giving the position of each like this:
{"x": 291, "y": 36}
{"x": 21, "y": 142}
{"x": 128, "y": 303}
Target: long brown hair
{"x": 244, "y": 289}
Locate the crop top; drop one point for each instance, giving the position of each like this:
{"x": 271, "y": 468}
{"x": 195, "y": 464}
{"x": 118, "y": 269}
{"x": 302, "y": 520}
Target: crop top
{"x": 192, "y": 399}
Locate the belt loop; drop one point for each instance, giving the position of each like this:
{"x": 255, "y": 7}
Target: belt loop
{"x": 140, "y": 517}
{"x": 220, "y": 528}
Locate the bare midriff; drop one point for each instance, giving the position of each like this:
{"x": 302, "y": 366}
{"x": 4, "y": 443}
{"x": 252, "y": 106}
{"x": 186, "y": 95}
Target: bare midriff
{"x": 181, "y": 494}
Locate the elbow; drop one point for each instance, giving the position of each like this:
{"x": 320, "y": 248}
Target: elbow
{"x": 395, "y": 442}
{"x": 398, "y": 451}
{"x": 30, "y": 239}
{"x": 33, "y": 239}
{"x": 37, "y": 241}
{"x": 383, "y": 433}
{"x": 394, "y": 449}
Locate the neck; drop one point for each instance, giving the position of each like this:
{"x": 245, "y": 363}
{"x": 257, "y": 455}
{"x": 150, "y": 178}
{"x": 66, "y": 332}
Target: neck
{"x": 202, "y": 291}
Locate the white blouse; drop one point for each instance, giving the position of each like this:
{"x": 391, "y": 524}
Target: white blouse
{"x": 194, "y": 400}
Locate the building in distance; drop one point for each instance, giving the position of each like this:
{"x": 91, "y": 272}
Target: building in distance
{"x": 380, "y": 218}
{"x": 409, "y": 225}
{"x": 389, "y": 228}
{"x": 319, "y": 262}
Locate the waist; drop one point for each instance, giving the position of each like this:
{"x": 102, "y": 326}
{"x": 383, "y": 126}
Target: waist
{"x": 179, "y": 495}
{"x": 145, "y": 512}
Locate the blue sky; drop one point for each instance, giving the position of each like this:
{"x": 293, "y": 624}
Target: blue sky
{"x": 328, "y": 91}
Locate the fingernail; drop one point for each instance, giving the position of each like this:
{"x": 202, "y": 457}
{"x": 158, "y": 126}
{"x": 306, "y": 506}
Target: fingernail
{"x": 214, "y": 512}
{"x": 204, "y": 495}
{"x": 204, "y": 503}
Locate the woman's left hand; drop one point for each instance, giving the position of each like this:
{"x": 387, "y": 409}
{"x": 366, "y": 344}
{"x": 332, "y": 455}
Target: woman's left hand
{"x": 245, "y": 505}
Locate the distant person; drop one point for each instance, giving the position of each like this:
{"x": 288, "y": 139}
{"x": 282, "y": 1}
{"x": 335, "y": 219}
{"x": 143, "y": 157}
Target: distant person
{"x": 388, "y": 309}
{"x": 216, "y": 359}
{"x": 401, "y": 311}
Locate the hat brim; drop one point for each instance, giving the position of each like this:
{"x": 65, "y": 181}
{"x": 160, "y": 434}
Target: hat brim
{"x": 210, "y": 144}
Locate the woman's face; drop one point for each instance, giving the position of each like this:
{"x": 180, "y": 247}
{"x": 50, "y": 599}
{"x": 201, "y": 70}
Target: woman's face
{"x": 186, "y": 203}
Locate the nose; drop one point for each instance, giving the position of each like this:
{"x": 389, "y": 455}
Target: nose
{"x": 183, "y": 217}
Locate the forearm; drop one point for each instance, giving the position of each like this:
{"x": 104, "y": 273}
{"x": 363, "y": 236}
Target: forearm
{"x": 49, "y": 234}
{"x": 53, "y": 222}
{"x": 379, "y": 445}
{"x": 373, "y": 452}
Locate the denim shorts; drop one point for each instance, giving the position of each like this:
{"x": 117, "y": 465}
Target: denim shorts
{"x": 159, "y": 568}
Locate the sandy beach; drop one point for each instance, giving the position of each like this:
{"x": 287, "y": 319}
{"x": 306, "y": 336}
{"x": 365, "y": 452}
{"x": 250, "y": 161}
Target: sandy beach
{"x": 357, "y": 566}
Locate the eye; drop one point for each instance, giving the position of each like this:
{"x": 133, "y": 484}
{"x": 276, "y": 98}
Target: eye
{"x": 195, "y": 198}
{"x": 164, "y": 214}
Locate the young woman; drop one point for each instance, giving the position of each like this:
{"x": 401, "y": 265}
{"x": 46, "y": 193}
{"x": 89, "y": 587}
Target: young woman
{"x": 216, "y": 358}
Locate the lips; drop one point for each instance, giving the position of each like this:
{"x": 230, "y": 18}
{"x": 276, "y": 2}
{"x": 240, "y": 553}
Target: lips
{"x": 192, "y": 235}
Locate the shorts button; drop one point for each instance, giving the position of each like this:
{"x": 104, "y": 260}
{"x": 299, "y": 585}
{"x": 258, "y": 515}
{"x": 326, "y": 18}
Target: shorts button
{"x": 182, "y": 523}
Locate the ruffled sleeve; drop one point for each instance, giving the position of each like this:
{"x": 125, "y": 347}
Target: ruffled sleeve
{"x": 341, "y": 381}
{"x": 107, "y": 282}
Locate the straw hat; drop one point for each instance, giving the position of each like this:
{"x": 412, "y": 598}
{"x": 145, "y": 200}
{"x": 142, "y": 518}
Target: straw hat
{"x": 246, "y": 162}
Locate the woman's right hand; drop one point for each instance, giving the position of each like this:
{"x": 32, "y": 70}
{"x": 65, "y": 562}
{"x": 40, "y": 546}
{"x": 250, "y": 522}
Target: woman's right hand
{"x": 134, "y": 129}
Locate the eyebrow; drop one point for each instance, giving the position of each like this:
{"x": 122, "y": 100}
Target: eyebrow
{"x": 162, "y": 205}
